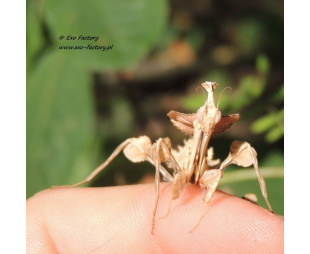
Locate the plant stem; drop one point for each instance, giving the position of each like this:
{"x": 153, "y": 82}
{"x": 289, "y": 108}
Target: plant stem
{"x": 249, "y": 174}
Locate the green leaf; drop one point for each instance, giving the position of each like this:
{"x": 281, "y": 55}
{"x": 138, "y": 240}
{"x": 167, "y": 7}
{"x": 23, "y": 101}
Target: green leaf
{"x": 250, "y": 174}
{"x": 274, "y": 134}
{"x": 132, "y": 27}
{"x": 274, "y": 158}
{"x": 242, "y": 181}
{"x": 263, "y": 124}
{"x": 195, "y": 38}
{"x": 193, "y": 102}
{"x": 120, "y": 121}
{"x": 263, "y": 64}
{"x": 60, "y": 123}
{"x": 273, "y": 123}
{"x": 34, "y": 36}
{"x": 279, "y": 95}
{"x": 249, "y": 35}
{"x": 250, "y": 88}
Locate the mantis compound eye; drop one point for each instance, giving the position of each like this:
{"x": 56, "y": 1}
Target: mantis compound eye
{"x": 209, "y": 86}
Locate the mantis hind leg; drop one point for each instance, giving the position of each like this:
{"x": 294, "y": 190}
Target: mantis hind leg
{"x": 244, "y": 155}
{"x": 261, "y": 180}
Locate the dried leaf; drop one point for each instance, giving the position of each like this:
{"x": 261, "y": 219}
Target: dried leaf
{"x": 137, "y": 150}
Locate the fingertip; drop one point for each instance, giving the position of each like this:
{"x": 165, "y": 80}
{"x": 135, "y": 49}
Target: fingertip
{"x": 95, "y": 219}
{"x": 230, "y": 225}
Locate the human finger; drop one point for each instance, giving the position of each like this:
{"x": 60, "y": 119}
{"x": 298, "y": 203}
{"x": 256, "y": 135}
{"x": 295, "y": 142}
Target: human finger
{"x": 118, "y": 220}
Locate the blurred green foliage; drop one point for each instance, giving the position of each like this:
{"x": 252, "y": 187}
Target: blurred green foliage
{"x": 82, "y": 104}
{"x": 272, "y": 124}
{"x": 248, "y": 90}
{"x": 61, "y": 137}
{"x": 60, "y": 124}
{"x": 240, "y": 186}
{"x": 250, "y": 87}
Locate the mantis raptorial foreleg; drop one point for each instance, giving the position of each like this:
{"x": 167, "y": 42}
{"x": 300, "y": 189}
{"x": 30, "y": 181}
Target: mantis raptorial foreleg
{"x": 163, "y": 153}
{"x": 209, "y": 180}
{"x": 180, "y": 179}
{"x": 159, "y": 153}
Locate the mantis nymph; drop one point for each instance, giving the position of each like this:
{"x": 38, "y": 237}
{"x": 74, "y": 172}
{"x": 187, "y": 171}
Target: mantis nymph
{"x": 193, "y": 162}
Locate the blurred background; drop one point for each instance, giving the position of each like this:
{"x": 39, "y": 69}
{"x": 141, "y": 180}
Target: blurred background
{"x": 81, "y": 104}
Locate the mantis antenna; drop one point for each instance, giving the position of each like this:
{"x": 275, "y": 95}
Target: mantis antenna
{"x": 227, "y": 87}
{"x": 204, "y": 93}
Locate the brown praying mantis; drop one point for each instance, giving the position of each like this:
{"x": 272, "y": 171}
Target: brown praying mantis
{"x": 193, "y": 162}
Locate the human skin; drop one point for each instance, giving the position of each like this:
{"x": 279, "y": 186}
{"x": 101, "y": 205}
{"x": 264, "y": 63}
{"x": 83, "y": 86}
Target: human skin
{"x": 119, "y": 219}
